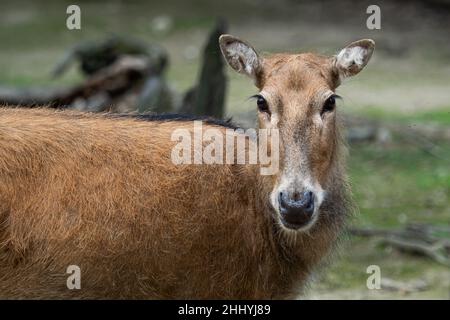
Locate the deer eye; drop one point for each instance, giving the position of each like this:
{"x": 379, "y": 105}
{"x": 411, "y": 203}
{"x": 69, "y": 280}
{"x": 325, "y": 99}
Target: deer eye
{"x": 262, "y": 104}
{"x": 329, "y": 105}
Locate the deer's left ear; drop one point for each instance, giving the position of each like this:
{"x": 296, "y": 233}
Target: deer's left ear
{"x": 353, "y": 58}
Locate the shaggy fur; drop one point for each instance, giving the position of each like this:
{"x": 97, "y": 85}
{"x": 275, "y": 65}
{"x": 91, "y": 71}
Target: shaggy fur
{"x": 101, "y": 192}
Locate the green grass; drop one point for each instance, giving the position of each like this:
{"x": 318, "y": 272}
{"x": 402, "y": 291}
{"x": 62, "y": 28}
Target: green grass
{"x": 400, "y": 184}
{"x": 347, "y": 277}
{"x": 392, "y": 186}
{"x": 440, "y": 116}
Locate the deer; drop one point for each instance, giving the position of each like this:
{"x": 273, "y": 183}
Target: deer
{"x": 101, "y": 193}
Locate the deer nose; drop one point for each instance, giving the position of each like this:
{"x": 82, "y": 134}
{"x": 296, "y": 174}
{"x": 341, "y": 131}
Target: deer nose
{"x": 296, "y": 209}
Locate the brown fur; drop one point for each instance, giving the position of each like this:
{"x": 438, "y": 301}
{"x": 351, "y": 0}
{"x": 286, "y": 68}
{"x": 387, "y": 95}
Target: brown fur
{"x": 102, "y": 193}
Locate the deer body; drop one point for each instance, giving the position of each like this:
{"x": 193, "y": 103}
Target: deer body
{"x": 102, "y": 193}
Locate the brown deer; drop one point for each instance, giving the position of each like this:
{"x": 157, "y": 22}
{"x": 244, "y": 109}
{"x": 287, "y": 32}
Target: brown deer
{"x": 101, "y": 192}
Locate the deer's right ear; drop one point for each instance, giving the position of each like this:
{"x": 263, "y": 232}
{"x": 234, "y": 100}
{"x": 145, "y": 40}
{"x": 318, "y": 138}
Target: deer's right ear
{"x": 240, "y": 56}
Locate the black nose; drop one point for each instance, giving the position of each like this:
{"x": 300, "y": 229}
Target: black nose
{"x": 296, "y": 209}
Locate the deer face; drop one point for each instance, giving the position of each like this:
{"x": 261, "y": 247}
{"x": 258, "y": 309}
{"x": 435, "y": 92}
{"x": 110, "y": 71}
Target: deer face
{"x": 297, "y": 97}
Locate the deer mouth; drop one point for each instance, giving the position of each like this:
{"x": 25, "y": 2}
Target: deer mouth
{"x": 297, "y": 223}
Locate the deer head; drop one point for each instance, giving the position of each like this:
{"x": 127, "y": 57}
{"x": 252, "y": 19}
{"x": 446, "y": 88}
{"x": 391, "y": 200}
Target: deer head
{"x": 297, "y": 96}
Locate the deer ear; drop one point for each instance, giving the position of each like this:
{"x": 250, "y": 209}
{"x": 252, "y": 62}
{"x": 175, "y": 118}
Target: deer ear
{"x": 353, "y": 58}
{"x": 240, "y": 56}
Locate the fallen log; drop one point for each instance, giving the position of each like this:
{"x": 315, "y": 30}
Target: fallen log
{"x": 104, "y": 91}
{"x": 123, "y": 76}
{"x": 425, "y": 240}
{"x": 94, "y": 56}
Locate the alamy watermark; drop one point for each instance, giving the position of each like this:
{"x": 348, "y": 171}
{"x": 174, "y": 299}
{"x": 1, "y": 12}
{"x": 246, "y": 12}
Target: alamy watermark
{"x": 74, "y": 280}
{"x": 374, "y": 280}
{"x": 234, "y": 146}
{"x": 73, "y": 21}
{"x": 374, "y": 20}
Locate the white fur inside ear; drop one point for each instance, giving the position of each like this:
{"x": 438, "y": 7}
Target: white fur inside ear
{"x": 349, "y": 57}
{"x": 242, "y": 58}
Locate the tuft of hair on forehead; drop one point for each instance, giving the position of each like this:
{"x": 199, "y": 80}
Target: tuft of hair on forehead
{"x": 298, "y": 69}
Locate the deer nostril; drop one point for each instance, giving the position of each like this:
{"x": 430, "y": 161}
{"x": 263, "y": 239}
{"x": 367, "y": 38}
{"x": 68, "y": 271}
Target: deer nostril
{"x": 309, "y": 201}
{"x": 305, "y": 200}
{"x": 296, "y": 208}
{"x": 282, "y": 200}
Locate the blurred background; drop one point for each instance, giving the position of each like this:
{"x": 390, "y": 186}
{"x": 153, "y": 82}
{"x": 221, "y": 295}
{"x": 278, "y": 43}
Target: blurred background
{"x": 162, "y": 56}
